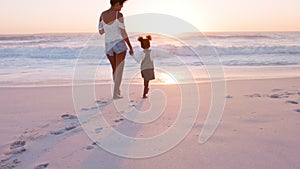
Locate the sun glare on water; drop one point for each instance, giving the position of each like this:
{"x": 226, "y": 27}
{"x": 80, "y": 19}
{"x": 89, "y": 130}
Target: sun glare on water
{"x": 164, "y": 78}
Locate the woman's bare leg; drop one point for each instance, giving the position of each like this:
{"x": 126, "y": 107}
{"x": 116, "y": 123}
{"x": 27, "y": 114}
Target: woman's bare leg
{"x": 120, "y": 62}
{"x": 112, "y": 60}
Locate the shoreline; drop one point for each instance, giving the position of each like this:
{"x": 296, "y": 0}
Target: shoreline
{"x": 154, "y": 84}
{"x": 231, "y": 73}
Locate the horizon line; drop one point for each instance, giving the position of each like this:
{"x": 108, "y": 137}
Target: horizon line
{"x": 87, "y": 32}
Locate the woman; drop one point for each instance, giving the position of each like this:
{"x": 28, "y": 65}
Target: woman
{"x": 112, "y": 24}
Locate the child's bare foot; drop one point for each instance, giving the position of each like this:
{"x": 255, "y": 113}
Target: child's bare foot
{"x": 146, "y": 90}
{"x": 117, "y": 97}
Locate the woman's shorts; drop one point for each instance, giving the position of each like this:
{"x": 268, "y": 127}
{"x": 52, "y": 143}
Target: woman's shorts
{"x": 148, "y": 74}
{"x": 114, "y": 48}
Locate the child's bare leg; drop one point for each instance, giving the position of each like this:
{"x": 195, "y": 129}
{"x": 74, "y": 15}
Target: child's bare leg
{"x": 146, "y": 88}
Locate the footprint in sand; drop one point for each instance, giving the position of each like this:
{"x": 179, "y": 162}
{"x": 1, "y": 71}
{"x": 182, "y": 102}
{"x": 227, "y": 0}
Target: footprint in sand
{"x": 17, "y": 144}
{"x": 16, "y": 161}
{"x": 89, "y": 147}
{"x": 94, "y": 108}
{"x": 278, "y": 96}
{"x": 85, "y": 109}
{"x": 70, "y": 128}
{"x": 5, "y": 159}
{"x": 289, "y": 93}
{"x": 14, "y": 151}
{"x": 5, "y": 165}
{"x": 101, "y": 102}
{"x": 59, "y": 132}
{"x": 276, "y": 90}
{"x": 291, "y": 102}
{"x": 98, "y": 130}
{"x": 254, "y": 95}
{"x": 42, "y": 166}
{"x": 16, "y": 147}
{"x": 68, "y": 116}
{"x": 119, "y": 120}
{"x": 66, "y": 124}
{"x": 70, "y": 123}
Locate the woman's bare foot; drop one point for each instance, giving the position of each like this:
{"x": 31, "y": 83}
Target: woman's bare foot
{"x": 116, "y": 96}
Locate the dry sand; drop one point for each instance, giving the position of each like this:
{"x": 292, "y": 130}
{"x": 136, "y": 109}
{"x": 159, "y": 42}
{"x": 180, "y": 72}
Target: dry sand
{"x": 259, "y": 129}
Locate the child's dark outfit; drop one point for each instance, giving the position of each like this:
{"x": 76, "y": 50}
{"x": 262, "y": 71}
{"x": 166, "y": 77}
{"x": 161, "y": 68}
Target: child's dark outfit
{"x": 147, "y": 70}
{"x": 147, "y": 66}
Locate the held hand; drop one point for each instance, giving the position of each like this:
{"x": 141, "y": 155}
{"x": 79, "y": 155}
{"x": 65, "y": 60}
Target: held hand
{"x": 131, "y": 52}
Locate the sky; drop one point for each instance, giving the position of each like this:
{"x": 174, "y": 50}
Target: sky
{"x": 61, "y": 16}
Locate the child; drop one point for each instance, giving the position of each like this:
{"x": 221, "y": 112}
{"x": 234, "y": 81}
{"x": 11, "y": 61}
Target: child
{"x": 147, "y": 66}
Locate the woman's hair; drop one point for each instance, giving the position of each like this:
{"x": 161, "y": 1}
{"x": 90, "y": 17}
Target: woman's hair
{"x": 113, "y": 2}
{"x": 145, "y": 43}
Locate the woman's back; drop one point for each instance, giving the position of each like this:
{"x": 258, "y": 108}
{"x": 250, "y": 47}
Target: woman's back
{"x": 110, "y": 22}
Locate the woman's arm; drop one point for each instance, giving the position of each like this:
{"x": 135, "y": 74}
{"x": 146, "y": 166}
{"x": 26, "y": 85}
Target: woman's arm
{"x": 100, "y": 26}
{"x": 125, "y": 35}
{"x": 128, "y": 43}
{"x": 139, "y": 56}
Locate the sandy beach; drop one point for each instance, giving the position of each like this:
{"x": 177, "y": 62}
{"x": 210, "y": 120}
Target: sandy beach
{"x": 259, "y": 129}
{"x": 223, "y": 80}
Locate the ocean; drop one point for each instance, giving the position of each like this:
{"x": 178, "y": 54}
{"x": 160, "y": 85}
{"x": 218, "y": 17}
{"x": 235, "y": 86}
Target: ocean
{"x": 50, "y": 59}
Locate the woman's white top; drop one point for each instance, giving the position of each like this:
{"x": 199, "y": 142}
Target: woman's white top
{"x": 113, "y": 30}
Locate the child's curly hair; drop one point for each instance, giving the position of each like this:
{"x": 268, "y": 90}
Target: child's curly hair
{"x": 145, "y": 43}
